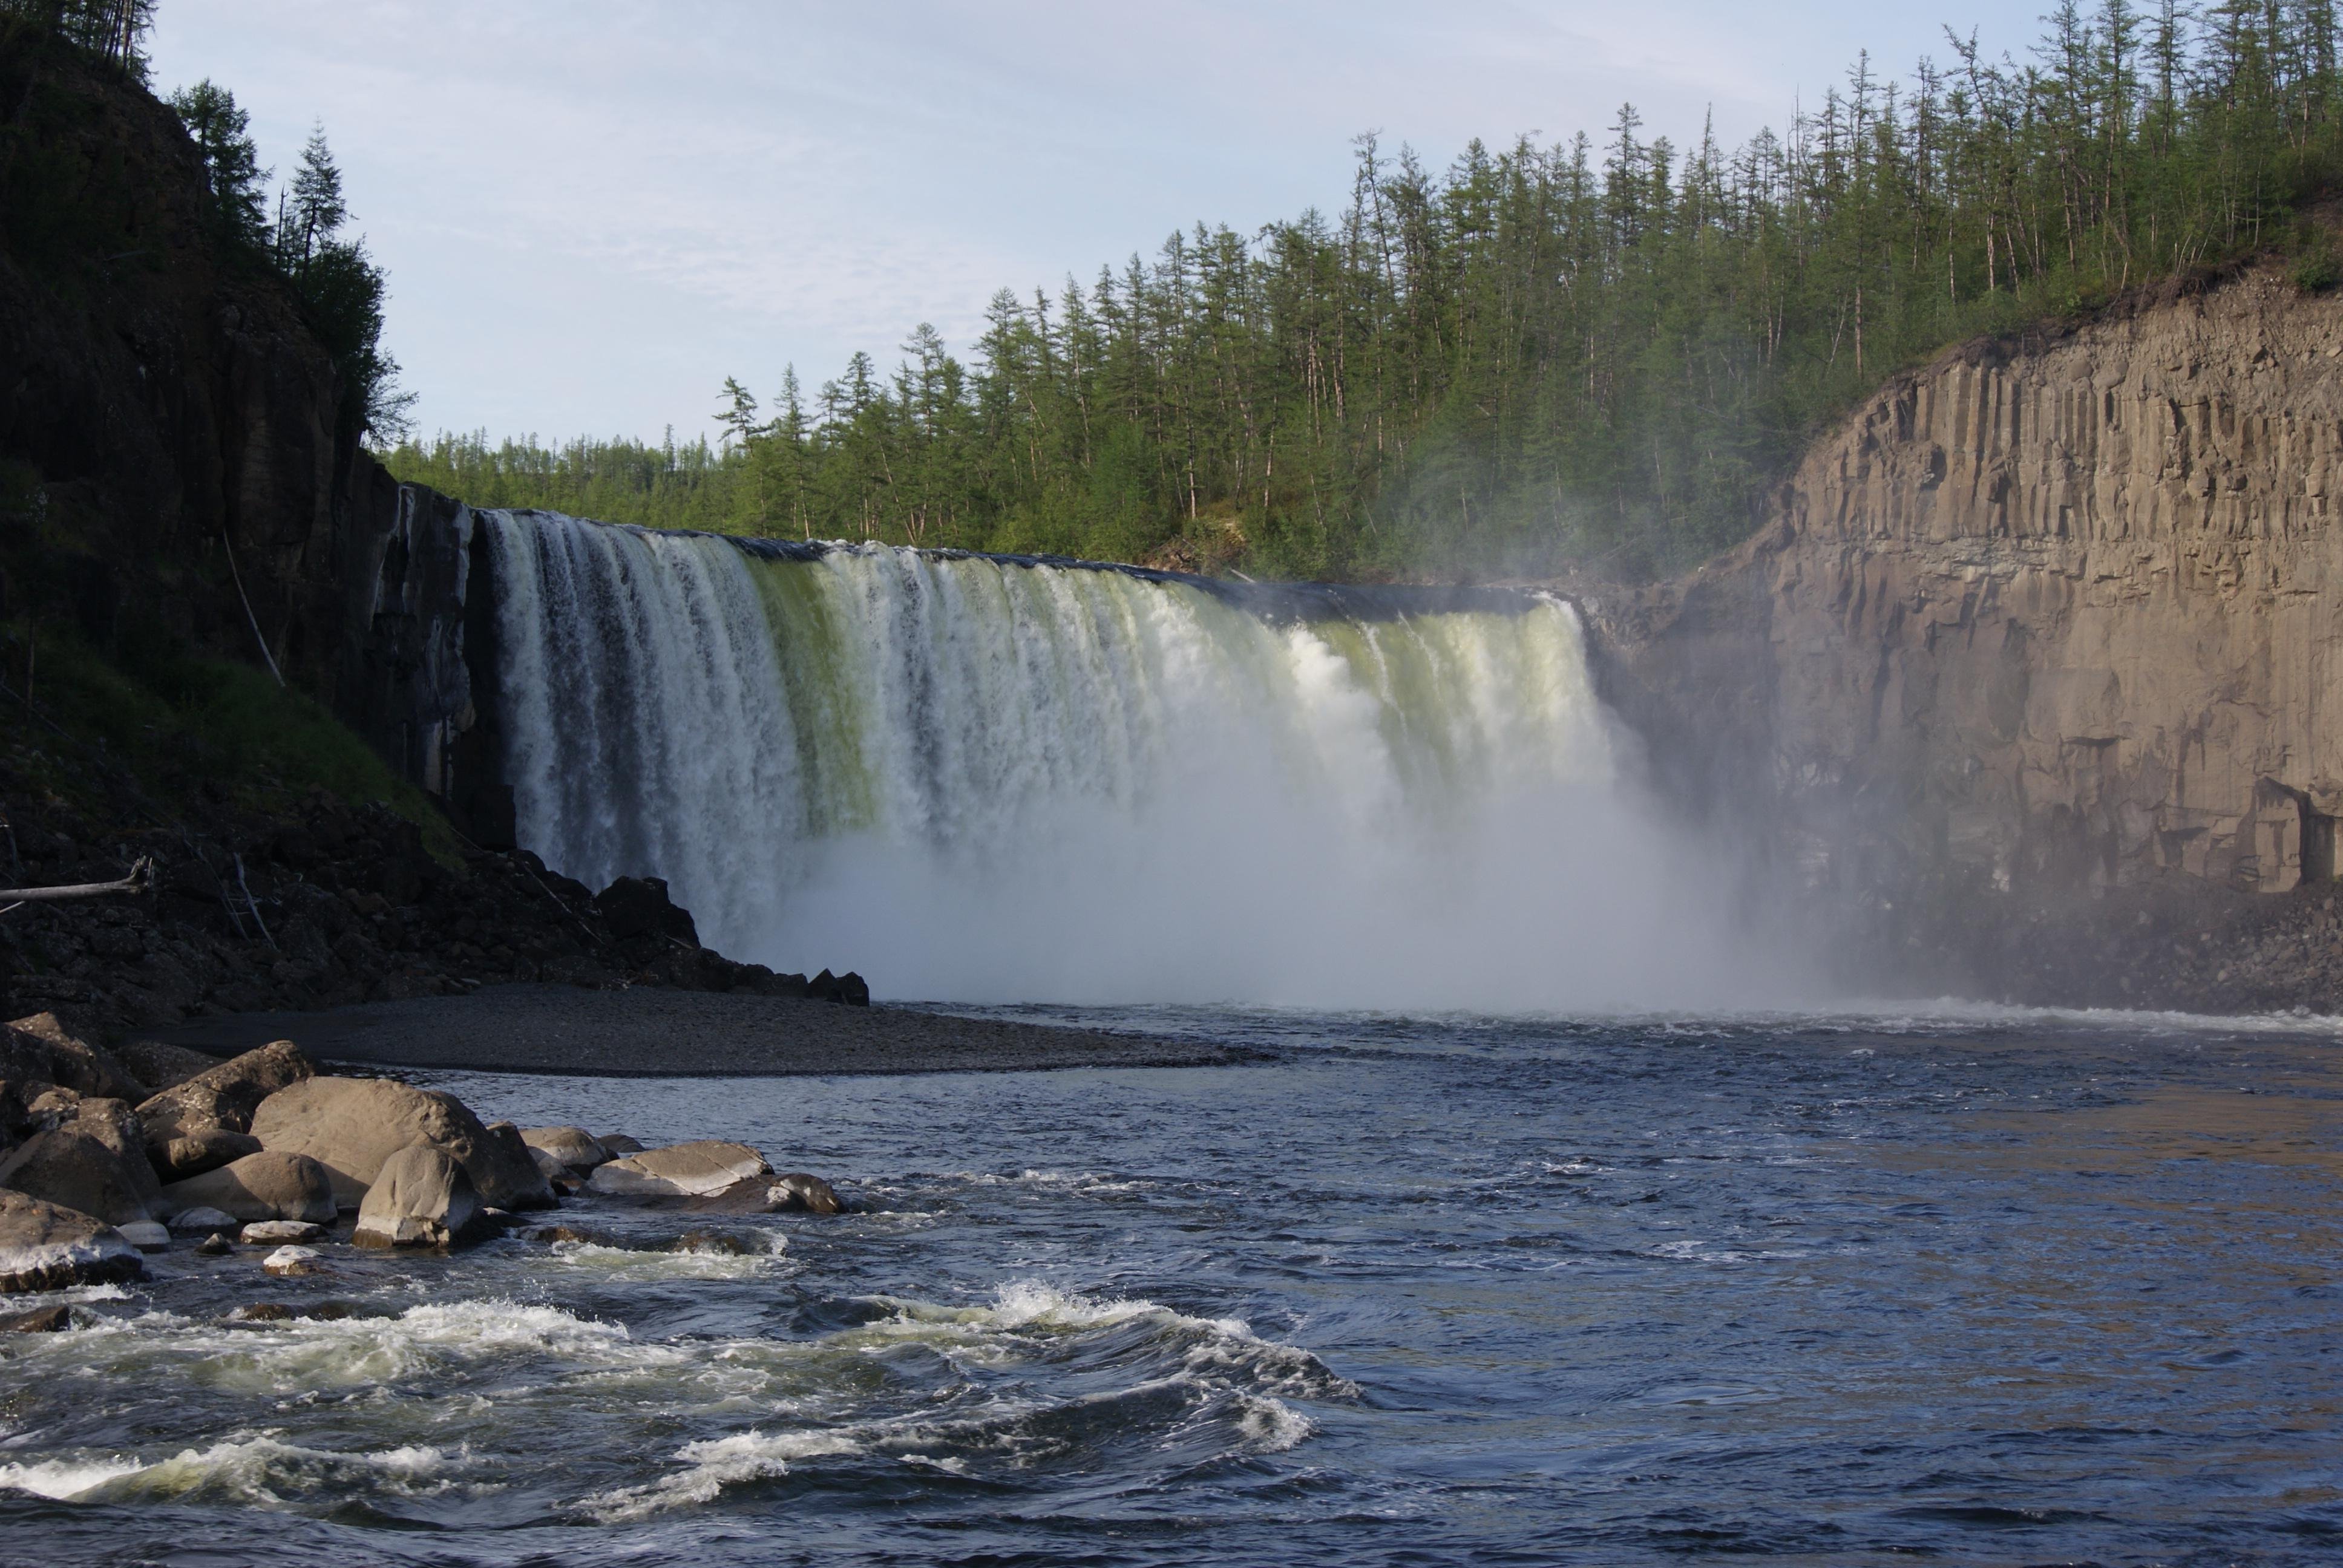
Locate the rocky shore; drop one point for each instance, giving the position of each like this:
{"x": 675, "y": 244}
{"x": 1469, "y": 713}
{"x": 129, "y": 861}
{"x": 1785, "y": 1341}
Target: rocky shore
{"x": 316, "y": 904}
{"x": 107, "y": 1158}
{"x": 2175, "y": 944}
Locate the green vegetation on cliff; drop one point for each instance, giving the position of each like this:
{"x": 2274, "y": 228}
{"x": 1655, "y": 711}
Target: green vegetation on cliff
{"x": 1603, "y": 351}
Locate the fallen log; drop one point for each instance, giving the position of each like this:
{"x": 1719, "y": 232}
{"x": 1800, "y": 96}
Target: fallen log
{"x": 142, "y": 875}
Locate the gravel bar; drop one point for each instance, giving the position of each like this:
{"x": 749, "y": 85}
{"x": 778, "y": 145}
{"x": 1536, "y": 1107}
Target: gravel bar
{"x": 647, "y": 1033}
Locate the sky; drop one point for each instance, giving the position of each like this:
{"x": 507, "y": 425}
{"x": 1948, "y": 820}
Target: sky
{"x": 594, "y": 212}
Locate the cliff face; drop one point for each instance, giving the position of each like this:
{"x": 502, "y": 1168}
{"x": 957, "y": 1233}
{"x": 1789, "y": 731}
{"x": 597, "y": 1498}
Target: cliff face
{"x": 175, "y": 474}
{"x": 2040, "y": 617}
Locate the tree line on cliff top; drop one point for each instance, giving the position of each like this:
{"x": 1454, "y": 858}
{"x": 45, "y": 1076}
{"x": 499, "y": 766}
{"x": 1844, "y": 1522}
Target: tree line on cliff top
{"x": 1603, "y": 351}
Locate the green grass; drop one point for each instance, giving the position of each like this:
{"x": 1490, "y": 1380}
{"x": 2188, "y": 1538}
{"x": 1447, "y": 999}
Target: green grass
{"x": 191, "y": 729}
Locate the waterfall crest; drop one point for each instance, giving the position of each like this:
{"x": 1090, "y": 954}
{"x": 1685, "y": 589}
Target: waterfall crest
{"x": 981, "y": 779}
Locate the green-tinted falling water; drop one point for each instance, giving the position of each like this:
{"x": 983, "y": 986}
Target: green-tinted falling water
{"x": 978, "y": 777}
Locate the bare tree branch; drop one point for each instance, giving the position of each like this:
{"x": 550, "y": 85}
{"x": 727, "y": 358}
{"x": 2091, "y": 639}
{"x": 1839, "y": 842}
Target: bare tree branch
{"x": 141, "y": 877}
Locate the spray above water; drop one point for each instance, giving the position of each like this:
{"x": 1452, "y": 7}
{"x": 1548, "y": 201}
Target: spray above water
{"x": 981, "y": 779}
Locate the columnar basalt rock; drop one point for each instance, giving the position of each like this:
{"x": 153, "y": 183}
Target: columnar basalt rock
{"x": 2045, "y": 615}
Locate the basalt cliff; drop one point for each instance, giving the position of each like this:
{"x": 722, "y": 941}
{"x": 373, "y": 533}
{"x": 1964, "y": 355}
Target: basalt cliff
{"x": 2028, "y": 673}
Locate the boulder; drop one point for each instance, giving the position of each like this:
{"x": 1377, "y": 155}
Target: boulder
{"x": 848, "y": 988}
{"x": 514, "y": 1179}
{"x": 50, "y": 1106}
{"x": 36, "y": 1051}
{"x": 44, "y": 1247}
{"x": 352, "y": 1125}
{"x": 200, "y": 1152}
{"x": 222, "y": 1098}
{"x": 215, "y": 1246}
{"x": 272, "y": 1184}
{"x": 575, "y": 1148}
{"x": 261, "y": 1232}
{"x": 39, "y": 1321}
{"x": 712, "y": 1244}
{"x": 421, "y": 1197}
{"x": 291, "y": 1263}
{"x": 160, "y": 1067}
{"x": 95, "y": 1162}
{"x": 203, "y": 1219}
{"x": 145, "y": 1235}
{"x": 640, "y": 906}
{"x": 16, "y": 1121}
{"x": 553, "y": 1234}
{"x": 617, "y": 1143}
{"x": 797, "y": 1191}
{"x": 679, "y": 1171}
{"x": 564, "y": 1181}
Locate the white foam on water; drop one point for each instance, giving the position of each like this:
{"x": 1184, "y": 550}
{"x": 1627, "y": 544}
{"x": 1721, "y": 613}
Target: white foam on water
{"x": 302, "y": 1355}
{"x": 1026, "y": 1303}
{"x": 712, "y": 1466}
{"x": 1272, "y": 1425}
{"x": 1224, "y": 1373}
{"x": 258, "y": 1468}
{"x": 64, "y": 1479}
{"x": 688, "y": 1263}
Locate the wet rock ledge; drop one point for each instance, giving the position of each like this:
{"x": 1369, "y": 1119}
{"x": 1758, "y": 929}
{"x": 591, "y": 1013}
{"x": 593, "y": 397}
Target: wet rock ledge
{"x": 104, "y": 1159}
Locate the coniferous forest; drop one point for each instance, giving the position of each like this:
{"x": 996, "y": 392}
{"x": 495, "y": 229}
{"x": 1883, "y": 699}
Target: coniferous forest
{"x": 1600, "y": 352}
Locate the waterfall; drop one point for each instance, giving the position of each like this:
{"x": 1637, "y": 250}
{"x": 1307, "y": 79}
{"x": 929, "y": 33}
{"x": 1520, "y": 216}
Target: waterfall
{"x": 985, "y": 780}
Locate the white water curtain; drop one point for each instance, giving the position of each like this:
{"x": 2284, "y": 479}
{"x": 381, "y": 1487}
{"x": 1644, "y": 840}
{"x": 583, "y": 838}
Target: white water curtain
{"x": 983, "y": 780}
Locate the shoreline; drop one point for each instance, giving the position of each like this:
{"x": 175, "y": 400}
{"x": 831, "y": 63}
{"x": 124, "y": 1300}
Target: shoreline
{"x": 645, "y": 1032}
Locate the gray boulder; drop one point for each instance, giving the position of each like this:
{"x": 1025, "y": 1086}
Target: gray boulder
{"x": 421, "y": 1198}
{"x": 200, "y": 1152}
{"x": 679, "y": 1171}
{"x": 222, "y": 1099}
{"x": 39, "y": 1321}
{"x": 145, "y": 1235}
{"x": 203, "y": 1219}
{"x": 797, "y": 1192}
{"x": 272, "y": 1184}
{"x": 574, "y": 1147}
{"x": 292, "y": 1263}
{"x": 38, "y": 1050}
{"x": 516, "y": 1176}
{"x": 49, "y": 1105}
{"x": 160, "y": 1066}
{"x": 44, "y": 1247}
{"x": 94, "y": 1161}
{"x": 352, "y": 1125}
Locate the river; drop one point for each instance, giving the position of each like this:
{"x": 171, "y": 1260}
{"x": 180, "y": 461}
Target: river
{"x": 1985, "y": 1287}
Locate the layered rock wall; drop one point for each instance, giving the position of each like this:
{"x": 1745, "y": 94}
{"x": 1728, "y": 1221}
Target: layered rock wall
{"x": 2046, "y": 613}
